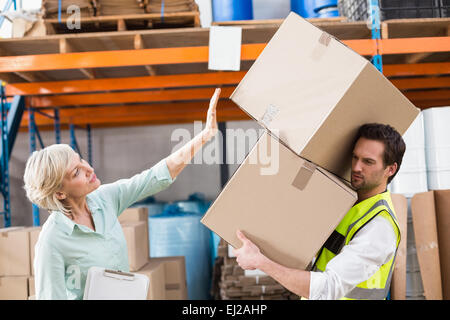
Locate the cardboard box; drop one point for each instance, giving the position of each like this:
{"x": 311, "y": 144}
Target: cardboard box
{"x": 135, "y": 215}
{"x": 155, "y": 271}
{"x": 137, "y": 243}
{"x": 284, "y": 213}
{"x": 31, "y": 287}
{"x": 15, "y": 252}
{"x": 34, "y": 236}
{"x": 176, "y": 294}
{"x": 14, "y": 288}
{"x": 431, "y": 221}
{"x": 175, "y": 277}
{"x": 313, "y": 93}
{"x": 398, "y": 284}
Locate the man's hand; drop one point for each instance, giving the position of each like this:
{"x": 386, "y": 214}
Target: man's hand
{"x": 211, "y": 118}
{"x": 249, "y": 257}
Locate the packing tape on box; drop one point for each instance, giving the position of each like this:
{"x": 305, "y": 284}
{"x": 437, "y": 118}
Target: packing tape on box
{"x": 303, "y": 175}
{"x": 325, "y": 39}
{"x": 172, "y": 286}
{"x": 321, "y": 47}
{"x": 269, "y": 115}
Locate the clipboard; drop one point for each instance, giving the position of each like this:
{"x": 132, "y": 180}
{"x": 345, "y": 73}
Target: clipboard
{"x": 105, "y": 284}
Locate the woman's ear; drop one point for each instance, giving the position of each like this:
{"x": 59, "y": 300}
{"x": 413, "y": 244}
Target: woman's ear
{"x": 60, "y": 195}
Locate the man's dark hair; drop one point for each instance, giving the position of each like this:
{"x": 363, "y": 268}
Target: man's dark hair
{"x": 394, "y": 146}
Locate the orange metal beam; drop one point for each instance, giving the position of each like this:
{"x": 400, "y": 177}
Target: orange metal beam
{"x": 428, "y": 95}
{"x": 127, "y": 97}
{"x": 414, "y": 45}
{"x": 424, "y": 104}
{"x": 120, "y": 58}
{"x": 116, "y": 58}
{"x": 421, "y": 83}
{"x": 131, "y": 83}
{"x": 416, "y": 69}
{"x": 170, "y": 112}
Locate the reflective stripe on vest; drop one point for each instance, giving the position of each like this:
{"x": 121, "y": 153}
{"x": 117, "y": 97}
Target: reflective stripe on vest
{"x": 377, "y": 286}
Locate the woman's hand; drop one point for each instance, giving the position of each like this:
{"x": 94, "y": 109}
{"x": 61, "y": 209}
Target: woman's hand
{"x": 211, "y": 118}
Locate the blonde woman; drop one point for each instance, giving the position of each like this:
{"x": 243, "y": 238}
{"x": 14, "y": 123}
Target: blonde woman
{"x": 83, "y": 230}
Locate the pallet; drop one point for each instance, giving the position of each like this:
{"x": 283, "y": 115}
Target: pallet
{"x": 125, "y": 22}
{"x": 273, "y": 21}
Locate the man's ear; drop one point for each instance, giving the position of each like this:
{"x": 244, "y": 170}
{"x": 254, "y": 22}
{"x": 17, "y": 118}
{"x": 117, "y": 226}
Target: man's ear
{"x": 60, "y": 195}
{"x": 392, "y": 169}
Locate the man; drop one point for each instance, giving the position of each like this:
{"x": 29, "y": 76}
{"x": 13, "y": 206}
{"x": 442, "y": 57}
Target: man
{"x": 357, "y": 260}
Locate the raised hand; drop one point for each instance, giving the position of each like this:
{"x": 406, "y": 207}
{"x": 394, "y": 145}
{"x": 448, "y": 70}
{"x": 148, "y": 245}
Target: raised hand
{"x": 211, "y": 118}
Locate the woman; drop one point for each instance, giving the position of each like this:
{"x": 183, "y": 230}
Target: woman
{"x": 83, "y": 230}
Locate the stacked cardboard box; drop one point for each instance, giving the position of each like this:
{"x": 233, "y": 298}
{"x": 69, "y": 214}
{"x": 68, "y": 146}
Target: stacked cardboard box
{"x": 167, "y": 275}
{"x": 175, "y": 277}
{"x": 311, "y": 93}
{"x": 235, "y": 284}
{"x": 16, "y": 262}
{"x": 134, "y": 223}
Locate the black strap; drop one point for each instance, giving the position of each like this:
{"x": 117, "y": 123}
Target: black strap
{"x": 335, "y": 242}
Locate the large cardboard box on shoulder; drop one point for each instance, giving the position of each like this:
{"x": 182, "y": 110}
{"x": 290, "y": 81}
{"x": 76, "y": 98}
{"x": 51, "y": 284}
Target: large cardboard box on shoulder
{"x": 283, "y": 213}
{"x": 312, "y": 93}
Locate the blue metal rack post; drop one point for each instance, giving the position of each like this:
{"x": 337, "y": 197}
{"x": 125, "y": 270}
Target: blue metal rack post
{"x": 57, "y": 126}
{"x": 374, "y": 15}
{"x": 32, "y": 133}
{"x": 73, "y": 139}
{"x": 5, "y": 160}
{"x": 89, "y": 142}
{"x": 6, "y": 8}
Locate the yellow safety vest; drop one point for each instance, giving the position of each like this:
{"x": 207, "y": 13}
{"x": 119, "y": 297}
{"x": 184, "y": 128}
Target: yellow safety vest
{"x": 377, "y": 286}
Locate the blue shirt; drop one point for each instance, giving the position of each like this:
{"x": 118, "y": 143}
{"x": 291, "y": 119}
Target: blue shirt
{"x": 66, "y": 250}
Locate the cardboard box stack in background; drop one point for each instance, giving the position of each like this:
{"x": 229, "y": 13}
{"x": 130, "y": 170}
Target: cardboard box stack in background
{"x": 137, "y": 243}
{"x": 155, "y": 272}
{"x": 311, "y": 93}
{"x": 16, "y": 262}
{"x": 167, "y": 275}
{"x": 234, "y": 284}
{"x": 134, "y": 223}
{"x": 175, "y": 277}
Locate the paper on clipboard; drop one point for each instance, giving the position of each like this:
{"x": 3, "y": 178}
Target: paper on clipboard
{"x": 103, "y": 284}
{"x": 225, "y": 48}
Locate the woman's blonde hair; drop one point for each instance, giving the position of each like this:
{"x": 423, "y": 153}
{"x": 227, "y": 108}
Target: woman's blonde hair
{"x": 44, "y": 175}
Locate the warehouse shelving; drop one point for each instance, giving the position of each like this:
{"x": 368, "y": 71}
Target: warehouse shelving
{"x": 160, "y": 76}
